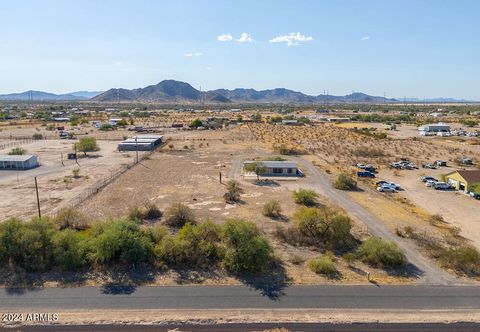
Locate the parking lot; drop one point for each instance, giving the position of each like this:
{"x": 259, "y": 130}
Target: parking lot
{"x": 455, "y": 207}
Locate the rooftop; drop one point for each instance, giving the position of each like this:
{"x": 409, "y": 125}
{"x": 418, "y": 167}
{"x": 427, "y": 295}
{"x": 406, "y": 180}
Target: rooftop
{"x": 7, "y": 157}
{"x": 472, "y": 176}
{"x": 274, "y": 163}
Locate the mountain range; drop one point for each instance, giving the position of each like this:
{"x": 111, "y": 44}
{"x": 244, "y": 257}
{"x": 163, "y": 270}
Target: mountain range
{"x": 46, "y": 96}
{"x": 181, "y": 92}
{"x": 171, "y": 91}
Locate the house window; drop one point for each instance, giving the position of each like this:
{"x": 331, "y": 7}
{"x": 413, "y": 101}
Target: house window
{"x": 289, "y": 170}
{"x": 277, "y": 171}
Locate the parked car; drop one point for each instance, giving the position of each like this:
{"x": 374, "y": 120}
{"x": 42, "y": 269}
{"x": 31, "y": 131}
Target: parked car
{"x": 396, "y": 165}
{"x": 366, "y": 174}
{"x": 442, "y": 186}
{"x": 409, "y": 166}
{"x": 440, "y": 163}
{"x": 430, "y": 183}
{"x": 362, "y": 166}
{"x": 394, "y": 185}
{"x": 370, "y": 168}
{"x": 380, "y": 183}
{"x": 429, "y": 166}
{"x": 426, "y": 178}
{"x": 474, "y": 195}
{"x": 386, "y": 189}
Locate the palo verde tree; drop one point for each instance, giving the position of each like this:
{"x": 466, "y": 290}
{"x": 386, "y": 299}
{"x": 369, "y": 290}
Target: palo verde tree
{"x": 87, "y": 144}
{"x": 256, "y": 167}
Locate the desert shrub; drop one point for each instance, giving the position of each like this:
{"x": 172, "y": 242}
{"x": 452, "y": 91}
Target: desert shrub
{"x": 70, "y": 218}
{"x": 76, "y": 172}
{"x": 148, "y": 211}
{"x": 17, "y": 151}
{"x": 272, "y": 209}
{"x": 296, "y": 259}
{"x": 234, "y": 190}
{"x": 324, "y": 227}
{"x": 323, "y": 265}
{"x": 464, "y": 259}
{"x": 367, "y": 152}
{"x": 305, "y": 197}
{"x": 349, "y": 257}
{"x": 120, "y": 242}
{"x": 157, "y": 233}
{"x": 27, "y": 245}
{"x": 68, "y": 249}
{"x": 380, "y": 253}
{"x": 345, "y": 182}
{"x": 179, "y": 214}
{"x": 172, "y": 251}
{"x": 37, "y": 136}
{"x": 246, "y": 249}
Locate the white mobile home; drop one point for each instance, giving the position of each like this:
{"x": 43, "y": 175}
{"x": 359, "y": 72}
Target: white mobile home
{"x": 12, "y": 162}
{"x": 276, "y": 168}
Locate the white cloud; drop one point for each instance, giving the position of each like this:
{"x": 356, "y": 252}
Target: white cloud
{"x": 193, "y": 54}
{"x": 245, "y": 38}
{"x": 225, "y": 37}
{"x": 292, "y": 39}
{"x": 118, "y": 63}
{"x": 366, "y": 38}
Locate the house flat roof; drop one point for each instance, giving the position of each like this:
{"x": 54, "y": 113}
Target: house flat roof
{"x": 7, "y": 157}
{"x": 274, "y": 163}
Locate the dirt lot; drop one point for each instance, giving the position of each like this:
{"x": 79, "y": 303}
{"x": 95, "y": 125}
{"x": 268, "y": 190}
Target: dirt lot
{"x": 56, "y": 183}
{"x": 191, "y": 176}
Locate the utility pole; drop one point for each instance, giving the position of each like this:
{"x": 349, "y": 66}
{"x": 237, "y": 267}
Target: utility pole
{"x": 136, "y": 146}
{"x": 38, "y": 199}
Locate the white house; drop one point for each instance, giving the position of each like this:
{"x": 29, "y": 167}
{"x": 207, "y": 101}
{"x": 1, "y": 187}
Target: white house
{"x": 22, "y": 162}
{"x": 276, "y": 168}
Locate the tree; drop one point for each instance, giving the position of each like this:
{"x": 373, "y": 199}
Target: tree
{"x": 17, "y": 151}
{"x": 233, "y": 192}
{"x": 305, "y": 197}
{"x": 345, "y": 182}
{"x": 476, "y": 188}
{"x": 68, "y": 251}
{"x": 122, "y": 123}
{"x": 256, "y": 167}
{"x": 37, "y": 136}
{"x": 87, "y": 144}
{"x": 196, "y": 123}
{"x": 246, "y": 249}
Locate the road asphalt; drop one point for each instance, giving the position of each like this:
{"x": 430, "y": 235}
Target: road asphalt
{"x": 371, "y": 297}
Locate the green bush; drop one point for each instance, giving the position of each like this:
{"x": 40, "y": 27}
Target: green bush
{"x": 69, "y": 251}
{"x": 87, "y": 144}
{"x": 345, "y": 182}
{"x": 464, "y": 259}
{"x": 380, "y": 253}
{"x": 27, "y": 245}
{"x": 121, "y": 242}
{"x": 17, "y": 151}
{"x": 178, "y": 214}
{"x": 323, "y": 227}
{"x": 305, "y": 197}
{"x": 37, "y": 136}
{"x": 246, "y": 249}
{"x": 323, "y": 265}
{"x": 272, "y": 209}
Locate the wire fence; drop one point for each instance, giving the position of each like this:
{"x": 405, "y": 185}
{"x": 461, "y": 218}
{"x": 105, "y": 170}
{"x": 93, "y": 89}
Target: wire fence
{"x": 14, "y": 143}
{"x": 102, "y": 183}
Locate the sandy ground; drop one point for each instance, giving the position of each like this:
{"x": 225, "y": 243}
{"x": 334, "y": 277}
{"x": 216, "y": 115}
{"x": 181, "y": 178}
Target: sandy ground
{"x": 164, "y": 317}
{"x": 455, "y": 207}
{"x": 56, "y": 183}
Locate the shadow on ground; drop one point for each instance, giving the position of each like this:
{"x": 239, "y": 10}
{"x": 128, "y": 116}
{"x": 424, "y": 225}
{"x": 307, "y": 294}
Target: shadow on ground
{"x": 270, "y": 283}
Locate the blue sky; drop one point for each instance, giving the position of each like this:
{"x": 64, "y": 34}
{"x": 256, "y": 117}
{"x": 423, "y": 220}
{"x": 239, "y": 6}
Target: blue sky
{"x": 403, "y": 48}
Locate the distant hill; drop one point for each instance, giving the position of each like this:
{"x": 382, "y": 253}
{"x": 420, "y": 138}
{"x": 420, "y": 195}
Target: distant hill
{"x": 85, "y": 94}
{"x": 46, "y": 96}
{"x": 40, "y": 96}
{"x": 179, "y": 92}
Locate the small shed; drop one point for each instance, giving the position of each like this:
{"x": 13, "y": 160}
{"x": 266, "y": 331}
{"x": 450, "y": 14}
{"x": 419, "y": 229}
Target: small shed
{"x": 22, "y": 162}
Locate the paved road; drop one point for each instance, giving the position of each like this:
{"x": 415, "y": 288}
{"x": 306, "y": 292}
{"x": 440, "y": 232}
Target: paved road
{"x": 370, "y": 297}
{"x": 304, "y": 327}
